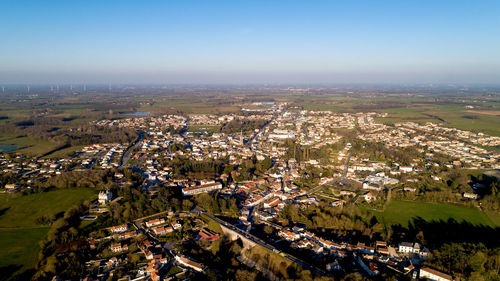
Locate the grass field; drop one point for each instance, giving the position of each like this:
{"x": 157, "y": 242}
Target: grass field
{"x": 495, "y": 218}
{"x": 65, "y": 152}
{"x": 23, "y": 211}
{"x": 401, "y": 212}
{"x": 191, "y": 105}
{"x": 19, "y": 232}
{"x": 28, "y": 145}
{"x": 19, "y": 249}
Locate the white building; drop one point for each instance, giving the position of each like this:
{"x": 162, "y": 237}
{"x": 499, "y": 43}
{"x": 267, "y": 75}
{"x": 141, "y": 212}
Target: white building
{"x": 469, "y": 195}
{"x": 405, "y": 247}
{"x": 105, "y": 196}
{"x": 192, "y": 190}
{"x": 434, "y": 275}
{"x": 184, "y": 261}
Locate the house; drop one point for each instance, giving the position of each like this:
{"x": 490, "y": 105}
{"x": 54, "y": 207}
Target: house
{"x": 288, "y": 235}
{"x": 176, "y": 225}
{"x": 272, "y": 202}
{"x": 118, "y": 247}
{"x": 126, "y": 235}
{"x": 105, "y": 196}
{"x": 11, "y": 186}
{"x": 347, "y": 193}
{"x": 405, "y": 169}
{"x": 264, "y": 215}
{"x": 337, "y": 203}
{"x": 161, "y": 230}
{"x": 184, "y": 261}
{"x": 368, "y": 196}
{"x": 434, "y": 275}
{"x": 381, "y": 247}
{"x": 405, "y": 247}
{"x": 469, "y": 195}
{"x": 201, "y": 188}
{"x": 113, "y": 261}
{"x": 383, "y": 251}
{"x": 364, "y": 249}
{"x": 119, "y": 228}
{"x": 155, "y": 222}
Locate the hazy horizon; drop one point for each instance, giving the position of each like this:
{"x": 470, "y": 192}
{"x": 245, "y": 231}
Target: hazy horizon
{"x": 258, "y": 42}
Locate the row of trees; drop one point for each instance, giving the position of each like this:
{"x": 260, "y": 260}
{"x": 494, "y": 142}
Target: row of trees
{"x": 218, "y": 205}
{"x": 469, "y": 261}
{"x": 334, "y": 221}
{"x": 65, "y": 249}
{"x": 96, "y": 179}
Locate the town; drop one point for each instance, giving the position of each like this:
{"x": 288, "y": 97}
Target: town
{"x": 245, "y": 177}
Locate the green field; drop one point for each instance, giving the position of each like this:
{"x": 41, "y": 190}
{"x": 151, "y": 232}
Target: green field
{"x": 28, "y": 145}
{"x": 23, "y": 211}
{"x": 19, "y": 232}
{"x": 495, "y": 218}
{"x": 453, "y": 116}
{"x": 191, "y": 105}
{"x": 19, "y": 249}
{"x": 65, "y": 152}
{"x": 401, "y": 212}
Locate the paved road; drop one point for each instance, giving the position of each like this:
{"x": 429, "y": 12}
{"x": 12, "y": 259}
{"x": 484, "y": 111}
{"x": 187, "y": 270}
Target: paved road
{"x": 126, "y": 154}
{"x": 346, "y": 166}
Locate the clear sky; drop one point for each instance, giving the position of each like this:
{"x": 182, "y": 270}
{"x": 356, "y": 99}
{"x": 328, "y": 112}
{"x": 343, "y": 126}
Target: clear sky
{"x": 188, "y": 41}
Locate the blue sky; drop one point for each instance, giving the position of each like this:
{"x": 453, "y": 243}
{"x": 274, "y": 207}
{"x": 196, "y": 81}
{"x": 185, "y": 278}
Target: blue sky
{"x": 249, "y": 41}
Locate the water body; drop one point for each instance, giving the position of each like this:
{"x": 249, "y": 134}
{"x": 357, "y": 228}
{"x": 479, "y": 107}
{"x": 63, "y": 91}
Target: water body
{"x": 6, "y": 147}
{"x": 139, "y": 113}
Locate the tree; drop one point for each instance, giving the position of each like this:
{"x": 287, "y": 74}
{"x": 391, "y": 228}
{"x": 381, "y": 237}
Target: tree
{"x": 266, "y": 164}
{"x": 268, "y": 230}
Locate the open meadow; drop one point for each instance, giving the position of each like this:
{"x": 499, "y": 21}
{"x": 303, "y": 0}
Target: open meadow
{"x": 402, "y": 212}
{"x": 19, "y": 231}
